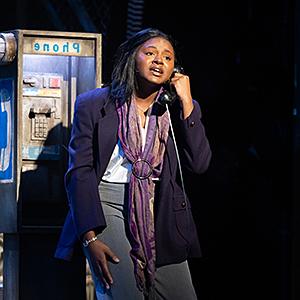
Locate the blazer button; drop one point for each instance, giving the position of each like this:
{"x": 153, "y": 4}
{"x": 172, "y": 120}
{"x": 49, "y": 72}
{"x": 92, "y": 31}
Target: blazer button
{"x": 192, "y": 124}
{"x": 183, "y": 204}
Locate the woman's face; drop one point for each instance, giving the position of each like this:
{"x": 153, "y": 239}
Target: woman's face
{"x": 154, "y": 61}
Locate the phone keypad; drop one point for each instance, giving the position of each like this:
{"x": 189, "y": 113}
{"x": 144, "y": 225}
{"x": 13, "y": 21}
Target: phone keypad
{"x": 40, "y": 127}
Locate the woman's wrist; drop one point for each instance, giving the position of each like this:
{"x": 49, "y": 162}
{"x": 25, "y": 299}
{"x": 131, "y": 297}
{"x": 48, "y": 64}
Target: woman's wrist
{"x": 88, "y": 241}
{"x": 187, "y": 110}
{"x": 88, "y": 235}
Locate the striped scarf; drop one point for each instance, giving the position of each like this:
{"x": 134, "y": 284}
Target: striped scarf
{"x": 147, "y": 163}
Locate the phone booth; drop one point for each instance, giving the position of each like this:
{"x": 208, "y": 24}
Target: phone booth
{"x": 41, "y": 73}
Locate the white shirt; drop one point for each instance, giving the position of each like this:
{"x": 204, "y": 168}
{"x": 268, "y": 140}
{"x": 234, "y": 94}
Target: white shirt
{"x": 119, "y": 168}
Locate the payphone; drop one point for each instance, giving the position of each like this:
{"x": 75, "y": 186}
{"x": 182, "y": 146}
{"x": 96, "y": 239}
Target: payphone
{"x": 41, "y": 73}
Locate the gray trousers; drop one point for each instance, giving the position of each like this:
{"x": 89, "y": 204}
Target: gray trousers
{"x": 172, "y": 282}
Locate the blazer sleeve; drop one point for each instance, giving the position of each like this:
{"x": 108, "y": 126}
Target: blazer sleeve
{"x": 81, "y": 180}
{"x": 194, "y": 147}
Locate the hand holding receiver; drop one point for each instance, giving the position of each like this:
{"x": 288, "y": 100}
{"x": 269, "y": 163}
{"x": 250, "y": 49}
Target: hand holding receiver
{"x": 181, "y": 83}
{"x": 178, "y": 87}
{"x": 169, "y": 95}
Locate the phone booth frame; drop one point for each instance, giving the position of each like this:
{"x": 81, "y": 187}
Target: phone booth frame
{"x": 41, "y": 73}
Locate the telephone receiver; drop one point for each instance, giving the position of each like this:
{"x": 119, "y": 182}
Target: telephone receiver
{"x": 168, "y": 95}
{"x": 5, "y": 132}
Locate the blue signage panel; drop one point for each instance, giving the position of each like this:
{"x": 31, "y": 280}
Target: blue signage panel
{"x": 6, "y": 130}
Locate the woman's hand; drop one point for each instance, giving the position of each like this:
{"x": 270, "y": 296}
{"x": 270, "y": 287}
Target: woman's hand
{"x": 100, "y": 254}
{"x": 181, "y": 83}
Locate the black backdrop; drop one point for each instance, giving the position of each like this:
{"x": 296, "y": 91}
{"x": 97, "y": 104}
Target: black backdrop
{"x": 239, "y": 55}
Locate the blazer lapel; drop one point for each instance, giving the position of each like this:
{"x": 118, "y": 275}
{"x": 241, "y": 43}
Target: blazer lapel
{"x": 107, "y": 134}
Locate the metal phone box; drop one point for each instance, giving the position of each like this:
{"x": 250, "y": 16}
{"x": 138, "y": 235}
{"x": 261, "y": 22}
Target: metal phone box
{"x": 41, "y": 73}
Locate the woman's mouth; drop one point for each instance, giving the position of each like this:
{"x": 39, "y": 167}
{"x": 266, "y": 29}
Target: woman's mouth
{"x": 156, "y": 71}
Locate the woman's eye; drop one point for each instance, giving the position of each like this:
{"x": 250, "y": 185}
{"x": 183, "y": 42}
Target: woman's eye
{"x": 168, "y": 58}
{"x": 149, "y": 53}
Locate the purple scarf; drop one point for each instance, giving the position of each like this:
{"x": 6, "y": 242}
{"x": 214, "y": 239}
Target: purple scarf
{"x": 146, "y": 164}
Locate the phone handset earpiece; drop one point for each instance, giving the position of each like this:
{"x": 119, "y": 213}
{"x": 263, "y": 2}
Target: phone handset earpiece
{"x": 178, "y": 69}
{"x": 168, "y": 95}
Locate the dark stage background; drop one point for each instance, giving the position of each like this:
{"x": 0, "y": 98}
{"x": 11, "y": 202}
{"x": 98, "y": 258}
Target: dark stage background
{"x": 241, "y": 59}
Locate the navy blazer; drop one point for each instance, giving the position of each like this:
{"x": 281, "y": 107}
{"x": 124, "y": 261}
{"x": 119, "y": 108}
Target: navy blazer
{"x": 94, "y": 136}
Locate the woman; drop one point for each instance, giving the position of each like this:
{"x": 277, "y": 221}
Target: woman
{"x": 124, "y": 183}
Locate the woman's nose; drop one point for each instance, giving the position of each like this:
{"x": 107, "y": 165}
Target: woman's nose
{"x": 158, "y": 59}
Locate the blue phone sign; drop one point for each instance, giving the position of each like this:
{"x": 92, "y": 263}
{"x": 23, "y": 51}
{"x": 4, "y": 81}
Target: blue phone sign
{"x": 6, "y": 130}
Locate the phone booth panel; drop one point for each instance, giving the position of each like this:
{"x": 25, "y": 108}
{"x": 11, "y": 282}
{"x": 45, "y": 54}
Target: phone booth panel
{"x": 41, "y": 73}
